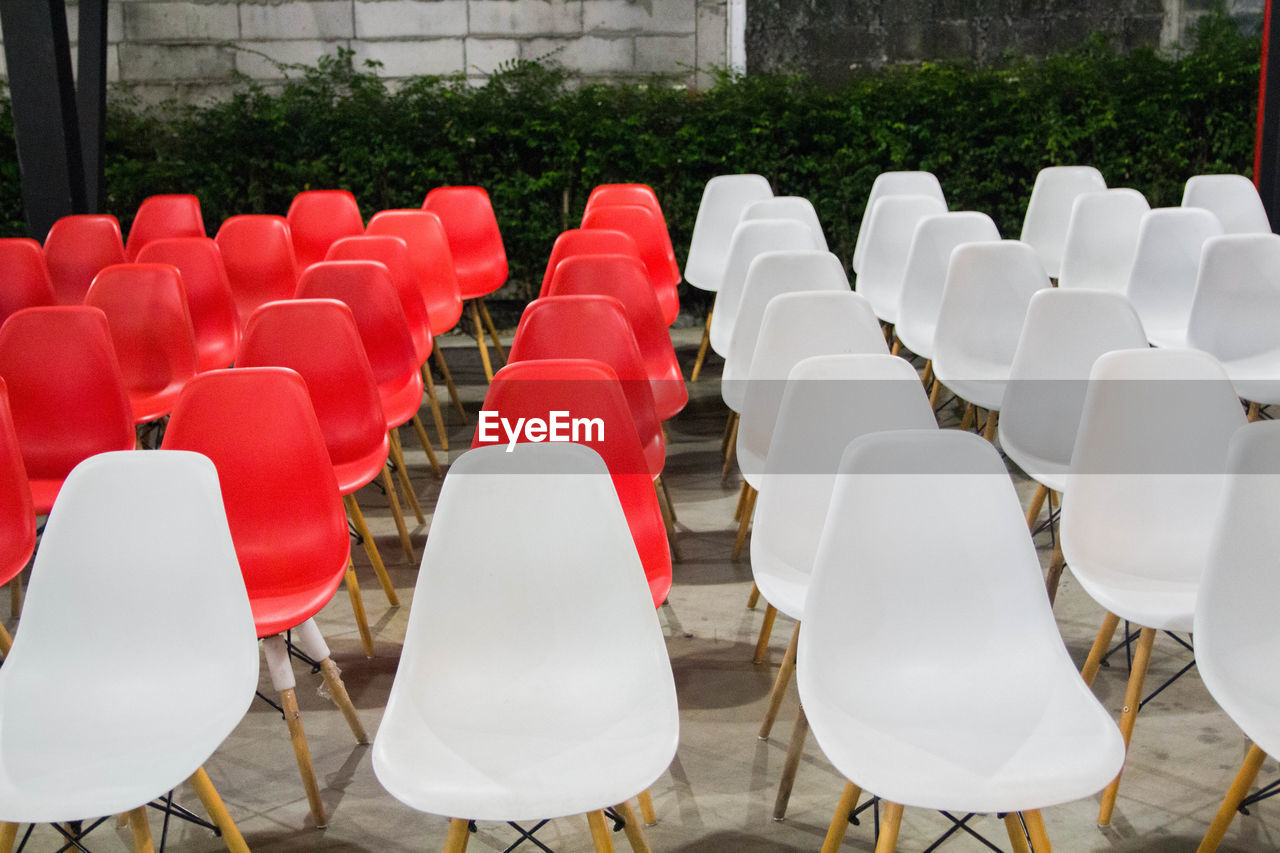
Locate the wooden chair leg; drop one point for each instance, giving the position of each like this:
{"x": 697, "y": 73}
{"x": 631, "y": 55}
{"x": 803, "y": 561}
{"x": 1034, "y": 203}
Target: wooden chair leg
{"x": 702, "y": 349}
{"x": 795, "y": 749}
{"x": 493, "y": 331}
{"x": 926, "y": 375}
{"x": 438, "y": 355}
{"x": 766, "y": 629}
{"x": 371, "y": 549}
{"x": 1017, "y": 836}
{"x": 742, "y": 500}
{"x": 993, "y": 419}
{"x": 1035, "y": 828}
{"x": 966, "y": 420}
{"x": 141, "y": 831}
{"x": 647, "y": 814}
{"x": 897, "y": 346}
{"x": 402, "y": 473}
{"x": 1132, "y": 698}
{"x": 484, "y": 350}
{"x": 754, "y": 597}
{"x": 6, "y": 641}
{"x": 634, "y": 831}
{"x": 15, "y": 597}
{"x": 8, "y": 835}
{"x": 1100, "y": 643}
{"x": 730, "y": 433}
{"x": 744, "y": 523}
{"x": 338, "y": 694}
{"x": 437, "y": 416}
{"x": 357, "y": 607}
{"x": 1255, "y": 412}
{"x": 426, "y": 444}
{"x": 780, "y": 684}
{"x": 459, "y": 834}
{"x": 218, "y": 812}
{"x": 1231, "y": 802}
{"x": 1037, "y": 503}
{"x": 668, "y": 519}
{"x": 840, "y": 820}
{"x": 1056, "y": 564}
{"x": 406, "y": 543}
{"x": 666, "y": 494}
{"x": 934, "y": 393}
{"x": 889, "y": 826}
{"x": 599, "y": 832}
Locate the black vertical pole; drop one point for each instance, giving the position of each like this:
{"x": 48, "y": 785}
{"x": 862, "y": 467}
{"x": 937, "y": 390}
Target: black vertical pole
{"x": 1266, "y": 164}
{"x": 44, "y": 110}
{"x": 91, "y": 98}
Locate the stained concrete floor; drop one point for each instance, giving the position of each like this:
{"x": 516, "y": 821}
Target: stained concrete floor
{"x": 718, "y": 794}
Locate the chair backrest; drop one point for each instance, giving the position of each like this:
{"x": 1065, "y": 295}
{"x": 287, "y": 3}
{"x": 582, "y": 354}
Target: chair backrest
{"x": 1237, "y": 298}
{"x": 393, "y": 253}
{"x": 24, "y": 276}
{"x": 257, "y": 252}
{"x": 175, "y": 215}
{"x": 1065, "y": 332}
{"x": 1162, "y": 282}
{"x": 794, "y": 207}
{"x": 151, "y": 329}
{"x": 890, "y": 229}
{"x": 641, "y": 194}
{"x": 723, "y": 199}
{"x": 424, "y": 236}
{"x": 339, "y": 379}
{"x": 925, "y": 272}
{"x": 278, "y": 486}
{"x": 1233, "y": 622}
{"x": 770, "y": 275}
{"x": 17, "y": 517}
{"x": 474, "y": 239}
{"x": 651, "y": 237}
{"x": 1143, "y": 486}
{"x": 1102, "y": 239}
{"x": 136, "y": 549}
{"x": 76, "y": 247}
{"x": 1232, "y": 198}
{"x": 204, "y": 279}
{"x": 829, "y": 401}
{"x": 597, "y": 416}
{"x": 797, "y": 326}
{"x": 1044, "y": 225}
{"x": 65, "y": 390}
{"x": 587, "y": 241}
{"x": 893, "y": 183}
{"x": 318, "y": 218}
{"x": 749, "y": 240}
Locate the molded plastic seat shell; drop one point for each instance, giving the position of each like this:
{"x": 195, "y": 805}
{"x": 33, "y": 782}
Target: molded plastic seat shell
{"x": 392, "y": 253}
{"x": 650, "y": 233}
{"x": 17, "y": 517}
{"x": 24, "y": 276}
{"x": 1044, "y": 225}
{"x": 1162, "y": 283}
{"x": 319, "y": 218}
{"x": 1232, "y": 198}
{"x": 890, "y": 229}
{"x": 887, "y": 184}
{"x": 588, "y": 241}
{"x": 429, "y": 253}
{"x": 76, "y": 248}
{"x": 214, "y": 318}
{"x": 172, "y": 215}
{"x": 723, "y": 199}
{"x": 257, "y": 252}
{"x": 749, "y": 240}
{"x": 1102, "y": 239}
{"x": 794, "y": 207}
{"x": 474, "y": 238}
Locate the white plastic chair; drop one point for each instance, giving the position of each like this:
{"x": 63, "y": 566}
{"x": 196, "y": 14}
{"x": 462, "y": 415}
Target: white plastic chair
{"x": 1162, "y": 282}
{"x": 1235, "y": 314}
{"x": 1232, "y": 198}
{"x": 1236, "y": 635}
{"x": 912, "y": 636}
{"x": 893, "y": 183}
{"x": 926, "y": 272}
{"x": 1044, "y": 226}
{"x": 1142, "y": 497}
{"x": 750, "y": 239}
{"x": 136, "y": 606}
{"x": 829, "y": 401}
{"x": 884, "y": 256}
{"x": 794, "y": 207}
{"x": 723, "y": 199}
{"x": 1102, "y": 238}
{"x": 498, "y": 712}
{"x": 770, "y": 275}
{"x": 984, "y": 303}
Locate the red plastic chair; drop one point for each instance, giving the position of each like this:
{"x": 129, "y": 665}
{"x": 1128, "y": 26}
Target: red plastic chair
{"x": 318, "y": 218}
{"x": 286, "y": 520}
{"x": 257, "y": 252}
{"x": 150, "y": 326}
{"x": 66, "y": 393}
{"x": 587, "y": 241}
{"x": 588, "y": 389}
{"x": 204, "y": 278}
{"x": 365, "y": 286}
{"x": 77, "y": 248}
{"x": 641, "y": 194}
{"x": 17, "y": 518}
{"x": 163, "y": 216}
{"x": 24, "y": 276}
{"x": 655, "y": 248}
{"x": 478, "y": 255}
{"x": 348, "y": 408}
{"x": 623, "y": 277}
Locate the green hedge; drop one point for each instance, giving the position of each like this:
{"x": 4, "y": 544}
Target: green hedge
{"x": 539, "y": 143}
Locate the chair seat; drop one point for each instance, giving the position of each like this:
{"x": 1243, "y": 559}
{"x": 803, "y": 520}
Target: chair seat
{"x": 670, "y": 394}
{"x": 1250, "y": 692}
{"x": 1257, "y": 377}
{"x": 214, "y": 354}
{"x": 44, "y": 490}
{"x": 917, "y": 337}
{"x": 151, "y": 405}
{"x": 401, "y": 398}
{"x": 781, "y": 585}
{"x": 1047, "y": 472}
{"x": 355, "y": 474}
{"x": 479, "y": 276}
{"x": 1167, "y": 335}
{"x": 668, "y": 302}
{"x": 981, "y": 383}
{"x": 649, "y": 532}
{"x": 883, "y": 302}
{"x": 278, "y": 610}
{"x": 1166, "y": 605}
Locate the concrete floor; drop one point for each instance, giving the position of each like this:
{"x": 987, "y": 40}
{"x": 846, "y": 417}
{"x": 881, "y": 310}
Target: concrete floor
{"x": 718, "y": 794}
